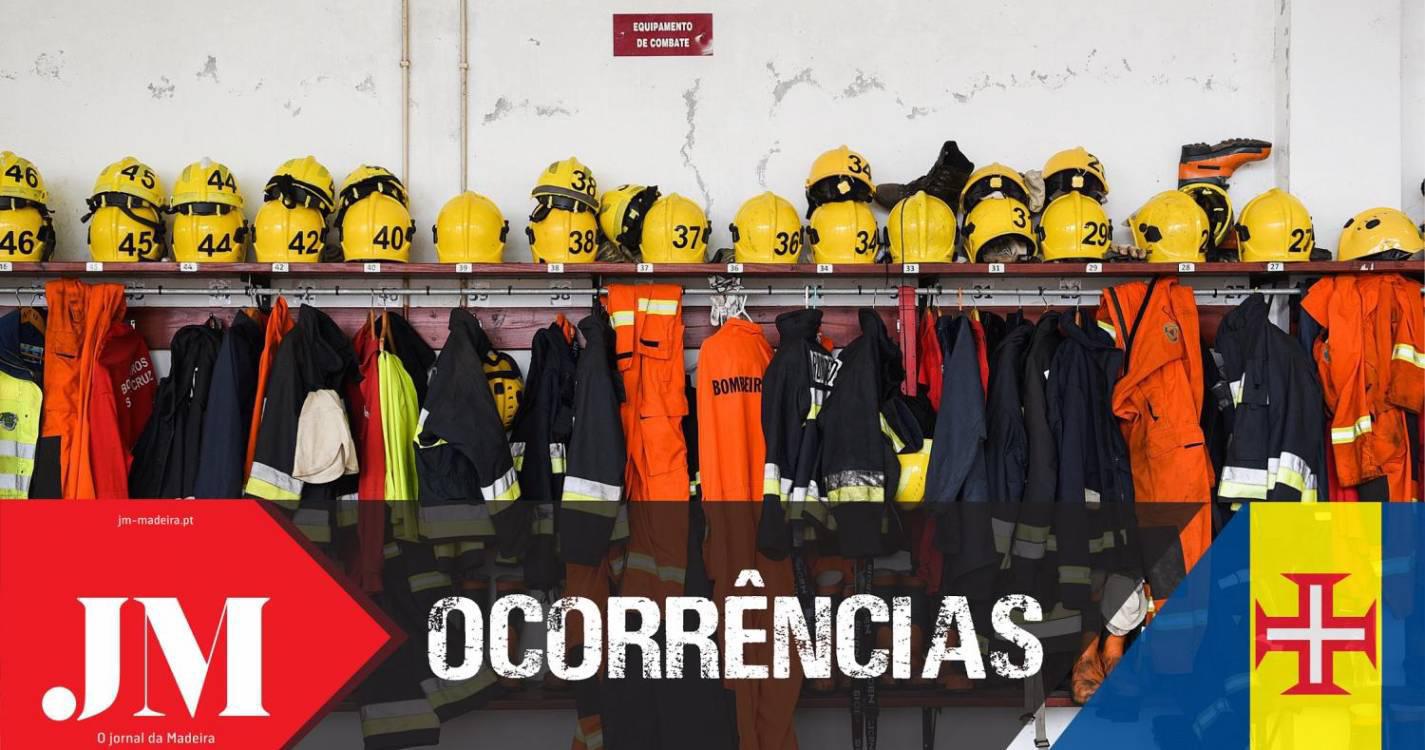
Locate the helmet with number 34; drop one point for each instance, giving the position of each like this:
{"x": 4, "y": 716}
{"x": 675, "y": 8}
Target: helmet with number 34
{"x": 124, "y": 217}
{"x": 26, "y": 229}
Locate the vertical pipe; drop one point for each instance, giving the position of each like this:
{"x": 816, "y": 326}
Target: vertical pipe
{"x": 406, "y": 93}
{"x": 464, "y": 95}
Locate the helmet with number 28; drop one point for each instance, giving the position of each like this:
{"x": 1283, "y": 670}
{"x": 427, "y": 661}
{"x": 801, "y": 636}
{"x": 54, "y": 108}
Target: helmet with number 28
{"x": 124, "y": 219}
{"x": 26, "y": 229}
{"x": 208, "y": 224}
{"x": 1173, "y": 228}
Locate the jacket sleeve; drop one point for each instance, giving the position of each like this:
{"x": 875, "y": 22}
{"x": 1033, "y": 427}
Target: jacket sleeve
{"x": 1407, "y": 358}
{"x": 224, "y": 429}
{"x": 596, "y": 457}
{"x": 853, "y": 461}
{"x": 271, "y": 475}
{"x": 780, "y": 428}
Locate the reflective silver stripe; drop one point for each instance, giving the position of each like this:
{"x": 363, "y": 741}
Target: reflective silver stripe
{"x": 1028, "y": 550}
{"x": 505, "y": 488}
{"x": 1003, "y": 531}
{"x": 1237, "y": 387}
{"x": 557, "y": 455}
{"x": 645, "y": 563}
{"x": 1348, "y": 434}
{"x": 579, "y": 488}
{"x": 280, "y": 480}
{"x": 1407, "y": 353}
{"x": 430, "y": 580}
{"x": 17, "y": 449}
{"x": 314, "y": 523}
{"x": 397, "y": 710}
{"x": 421, "y": 423}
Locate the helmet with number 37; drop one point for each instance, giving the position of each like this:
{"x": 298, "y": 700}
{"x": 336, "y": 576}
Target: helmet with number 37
{"x": 26, "y": 228}
{"x": 208, "y": 224}
{"x": 675, "y": 231}
{"x": 124, "y": 219}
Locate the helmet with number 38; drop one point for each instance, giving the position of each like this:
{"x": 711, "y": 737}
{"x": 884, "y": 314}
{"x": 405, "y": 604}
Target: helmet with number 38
{"x": 844, "y": 232}
{"x": 569, "y": 185}
{"x": 559, "y": 235}
{"x": 208, "y": 224}
{"x": 766, "y": 229}
{"x": 26, "y": 228}
{"x": 675, "y": 231}
{"x": 124, "y": 217}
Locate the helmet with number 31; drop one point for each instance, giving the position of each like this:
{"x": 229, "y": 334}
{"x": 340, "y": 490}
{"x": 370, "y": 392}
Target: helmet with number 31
{"x": 26, "y": 229}
{"x": 124, "y": 219}
{"x": 208, "y": 224}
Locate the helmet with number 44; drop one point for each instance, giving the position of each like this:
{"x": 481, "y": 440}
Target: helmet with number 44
{"x": 26, "y": 228}
{"x": 208, "y": 223}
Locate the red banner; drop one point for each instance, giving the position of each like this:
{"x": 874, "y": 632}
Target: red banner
{"x": 174, "y": 623}
{"x": 662, "y": 34}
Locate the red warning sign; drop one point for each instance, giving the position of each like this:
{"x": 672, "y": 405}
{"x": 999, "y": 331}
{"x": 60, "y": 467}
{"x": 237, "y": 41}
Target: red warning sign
{"x": 662, "y": 34}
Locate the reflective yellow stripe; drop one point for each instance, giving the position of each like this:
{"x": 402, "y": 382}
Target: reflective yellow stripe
{"x": 1342, "y": 435}
{"x": 857, "y": 494}
{"x": 621, "y": 318}
{"x": 896, "y": 441}
{"x": 1074, "y": 574}
{"x": 1109, "y": 329}
{"x": 1408, "y": 353}
{"x": 645, "y": 563}
{"x": 657, "y": 306}
{"x": 258, "y": 488}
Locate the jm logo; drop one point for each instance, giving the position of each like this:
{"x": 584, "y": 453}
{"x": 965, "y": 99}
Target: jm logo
{"x": 1316, "y": 634}
{"x": 163, "y": 617}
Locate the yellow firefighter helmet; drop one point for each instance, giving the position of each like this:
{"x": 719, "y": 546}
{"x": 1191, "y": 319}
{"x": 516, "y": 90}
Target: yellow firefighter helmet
{"x": 675, "y": 231}
{"x": 1379, "y": 232}
{"x": 1075, "y": 170}
{"x": 560, "y": 235}
{"x": 1074, "y": 227}
{"x": 921, "y": 229}
{"x": 766, "y": 229}
{"x": 1172, "y": 228}
{"x": 288, "y": 234}
{"x": 470, "y": 229}
{"x": 844, "y": 232}
{"x": 1275, "y": 226}
{"x": 999, "y": 230}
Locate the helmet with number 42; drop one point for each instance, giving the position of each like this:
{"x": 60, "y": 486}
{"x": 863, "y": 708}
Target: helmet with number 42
{"x": 26, "y": 228}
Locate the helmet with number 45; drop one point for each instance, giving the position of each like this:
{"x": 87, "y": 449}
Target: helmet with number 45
{"x": 208, "y": 223}
{"x": 766, "y": 229}
{"x": 844, "y": 232}
{"x": 124, "y": 217}
{"x": 26, "y": 229}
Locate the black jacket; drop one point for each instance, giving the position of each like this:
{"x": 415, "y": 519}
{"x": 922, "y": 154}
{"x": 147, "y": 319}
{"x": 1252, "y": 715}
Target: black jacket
{"x": 593, "y": 483}
{"x": 230, "y": 400}
{"x": 166, "y": 454}
{"x": 1007, "y": 450}
{"x": 1277, "y": 446}
{"x": 794, "y": 389}
{"x": 539, "y": 440}
{"x": 1027, "y": 536}
{"x": 466, "y": 474}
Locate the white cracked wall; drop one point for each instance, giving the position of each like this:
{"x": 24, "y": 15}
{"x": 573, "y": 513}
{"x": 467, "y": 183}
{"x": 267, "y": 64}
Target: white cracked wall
{"x": 252, "y": 84}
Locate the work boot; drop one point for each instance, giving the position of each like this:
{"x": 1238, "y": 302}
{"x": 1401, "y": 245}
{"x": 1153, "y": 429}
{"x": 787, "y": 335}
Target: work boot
{"x": 1215, "y": 163}
{"x": 1112, "y": 652}
{"x": 1088, "y": 671}
{"x": 945, "y": 180}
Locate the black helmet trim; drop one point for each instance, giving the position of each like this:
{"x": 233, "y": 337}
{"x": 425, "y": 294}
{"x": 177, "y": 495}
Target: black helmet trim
{"x": 982, "y": 189}
{"x": 117, "y": 200}
{"x": 631, "y": 223}
{"x": 1062, "y": 182}
{"x": 837, "y": 188}
{"x": 294, "y": 192}
{"x": 12, "y": 203}
{"x": 202, "y": 208}
{"x": 563, "y": 203}
{"x": 354, "y": 193}
{"x": 554, "y": 192}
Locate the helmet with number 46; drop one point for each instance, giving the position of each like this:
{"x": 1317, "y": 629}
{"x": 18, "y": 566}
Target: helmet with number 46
{"x": 26, "y": 228}
{"x": 208, "y": 223}
{"x": 675, "y": 231}
{"x": 124, "y": 217}
{"x": 844, "y": 232}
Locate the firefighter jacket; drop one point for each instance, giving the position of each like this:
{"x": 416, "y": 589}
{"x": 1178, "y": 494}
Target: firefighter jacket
{"x": 1372, "y": 373}
{"x": 1026, "y": 538}
{"x": 794, "y": 388}
{"x": 229, "y": 412}
{"x": 1158, "y": 401}
{"x": 596, "y": 458}
{"x": 468, "y": 485}
{"x": 1276, "y": 449}
{"x": 21, "y": 372}
{"x": 863, "y": 423}
{"x": 314, "y": 356}
{"x": 1093, "y": 501}
{"x": 166, "y": 454}
{"x": 539, "y": 442}
{"x": 279, "y": 324}
{"x": 121, "y": 401}
{"x": 1006, "y": 453}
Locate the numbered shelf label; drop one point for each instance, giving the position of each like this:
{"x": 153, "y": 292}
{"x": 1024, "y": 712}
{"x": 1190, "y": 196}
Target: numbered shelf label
{"x": 734, "y": 268}
{"x": 188, "y": 267}
{"x": 555, "y": 268}
{"x": 645, "y": 268}
{"x": 371, "y": 267}
{"x": 281, "y": 268}
{"x": 825, "y": 268}
{"x": 6, "y": 266}
{"x": 1187, "y": 267}
{"x": 1093, "y": 268}
{"x": 464, "y": 267}
{"x": 93, "y": 266}
{"x": 996, "y": 268}
{"x": 1276, "y": 266}
{"x": 910, "y": 268}
{"x": 1368, "y": 266}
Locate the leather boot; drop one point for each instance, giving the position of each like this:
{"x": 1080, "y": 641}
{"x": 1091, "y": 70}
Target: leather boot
{"x": 945, "y": 180}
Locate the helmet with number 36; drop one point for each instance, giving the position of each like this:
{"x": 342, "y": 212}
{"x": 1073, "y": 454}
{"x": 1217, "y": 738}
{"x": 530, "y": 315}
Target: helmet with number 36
{"x": 26, "y": 228}
{"x": 124, "y": 217}
{"x": 766, "y": 229}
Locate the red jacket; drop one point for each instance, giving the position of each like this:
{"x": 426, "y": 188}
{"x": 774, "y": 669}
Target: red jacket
{"x": 121, "y": 401}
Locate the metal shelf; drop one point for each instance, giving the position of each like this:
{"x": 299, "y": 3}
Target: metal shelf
{"x": 587, "y": 270}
